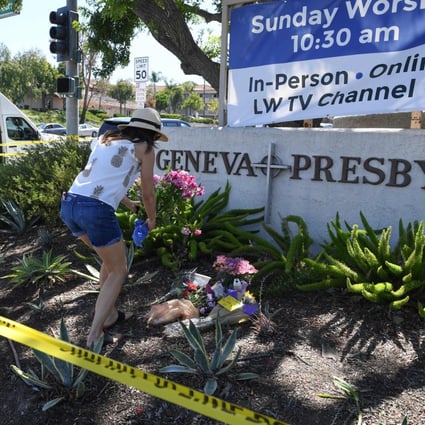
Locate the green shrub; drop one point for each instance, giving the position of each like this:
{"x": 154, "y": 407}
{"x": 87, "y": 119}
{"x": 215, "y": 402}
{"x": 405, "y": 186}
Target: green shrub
{"x": 35, "y": 181}
{"x": 186, "y": 229}
{"x": 364, "y": 262}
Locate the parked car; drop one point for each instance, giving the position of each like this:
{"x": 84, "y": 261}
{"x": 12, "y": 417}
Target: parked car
{"x": 87, "y": 130}
{"x": 112, "y": 123}
{"x": 52, "y": 128}
{"x": 173, "y": 122}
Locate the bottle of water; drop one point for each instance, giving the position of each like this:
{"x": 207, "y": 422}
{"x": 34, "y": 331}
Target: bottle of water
{"x": 140, "y": 232}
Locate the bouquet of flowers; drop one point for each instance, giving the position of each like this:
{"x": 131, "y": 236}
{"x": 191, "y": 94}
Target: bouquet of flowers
{"x": 226, "y": 295}
{"x": 230, "y": 292}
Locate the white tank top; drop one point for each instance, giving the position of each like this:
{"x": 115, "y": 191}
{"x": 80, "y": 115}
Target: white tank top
{"x": 109, "y": 173}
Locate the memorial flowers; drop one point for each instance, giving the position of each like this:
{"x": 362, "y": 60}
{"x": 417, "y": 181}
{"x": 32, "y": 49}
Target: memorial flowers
{"x": 226, "y": 294}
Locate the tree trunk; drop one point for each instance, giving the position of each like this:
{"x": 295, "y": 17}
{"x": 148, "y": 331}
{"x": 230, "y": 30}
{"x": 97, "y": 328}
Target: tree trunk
{"x": 167, "y": 25}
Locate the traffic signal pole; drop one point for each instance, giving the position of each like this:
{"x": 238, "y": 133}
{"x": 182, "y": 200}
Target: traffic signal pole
{"x": 72, "y": 71}
{"x": 64, "y": 43}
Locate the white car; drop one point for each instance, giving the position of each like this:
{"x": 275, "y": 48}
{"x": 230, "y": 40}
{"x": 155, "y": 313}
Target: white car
{"x": 87, "y": 130}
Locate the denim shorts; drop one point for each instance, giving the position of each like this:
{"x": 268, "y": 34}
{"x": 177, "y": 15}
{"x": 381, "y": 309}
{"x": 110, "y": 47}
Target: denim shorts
{"x": 84, "y": 215}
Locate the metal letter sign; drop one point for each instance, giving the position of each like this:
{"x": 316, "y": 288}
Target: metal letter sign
{"x": 141, "y": 69}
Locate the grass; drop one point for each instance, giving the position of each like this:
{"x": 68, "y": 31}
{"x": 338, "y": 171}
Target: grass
{"x": 59, "y": 116}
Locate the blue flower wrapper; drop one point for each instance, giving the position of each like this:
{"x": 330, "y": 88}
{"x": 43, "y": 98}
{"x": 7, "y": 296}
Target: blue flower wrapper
{"x": 140, "y": 232}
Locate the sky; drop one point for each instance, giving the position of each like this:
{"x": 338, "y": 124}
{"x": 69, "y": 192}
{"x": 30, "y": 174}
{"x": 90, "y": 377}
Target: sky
{"x": 30, "y": 30}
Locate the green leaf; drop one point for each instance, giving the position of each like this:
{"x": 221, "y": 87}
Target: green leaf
{"x": 183, "y": 359}
{"x": 193, "y": 336}
{"x": 65, "y": 371}
{"x": 52, "y": 403}
{"x": 80, "y": 389}
{"x": 202, "y": 361}
{"x": 245, "y": 376}
{"x": 210, "y": 386}
{"x": 228, "y": 347}
{"x": 176, "y": 368}
{"x": 31, "y": 378}
{"x": 47, "y": 362}
{"x": 231, "y": 364}
{"x": 216, "y": 356}
{"x": 346, "y": 387}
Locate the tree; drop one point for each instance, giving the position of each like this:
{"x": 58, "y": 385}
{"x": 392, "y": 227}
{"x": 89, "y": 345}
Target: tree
{"x": 113, "y": 24}
{"x": 162, "y": 100}
{"x": 122, "y": 91}
{"x": 101, "y": 88}
{"x": 156, "y": 77}
{"x": 213, "y": 106}
{"x": 28, "y": 74}
{"x": 89, "y": 60}
{"x": 193, "y": 103}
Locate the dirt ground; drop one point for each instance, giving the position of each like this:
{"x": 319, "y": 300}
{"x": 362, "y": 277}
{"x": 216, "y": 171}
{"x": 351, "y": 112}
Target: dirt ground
{"x": 317, "y": 336}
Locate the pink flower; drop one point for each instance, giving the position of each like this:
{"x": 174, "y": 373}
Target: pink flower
{"x": 183, "y": 181}
{"x": 197, "y": 232}
{"x": 234, "y": 266}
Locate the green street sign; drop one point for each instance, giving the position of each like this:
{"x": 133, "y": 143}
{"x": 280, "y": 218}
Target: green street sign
{"x": 7, "y": 11}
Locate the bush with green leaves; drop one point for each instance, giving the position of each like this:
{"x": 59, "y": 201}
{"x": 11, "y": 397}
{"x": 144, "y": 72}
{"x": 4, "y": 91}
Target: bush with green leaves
{"x": 364, "y": 262}
{"x": 186, "y": 229}
{"x": 278, "y": 257}
{"x": 35, "y": 181}
{"x": 33, "y": 270}
{"x": 211, "y": 367}
{"x": 57, "y": 377}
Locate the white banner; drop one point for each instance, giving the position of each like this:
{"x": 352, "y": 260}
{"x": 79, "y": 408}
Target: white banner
{"x": 290, "y": 61}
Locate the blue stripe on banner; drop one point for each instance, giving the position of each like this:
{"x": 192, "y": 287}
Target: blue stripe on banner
{"x": 282, "y": 32}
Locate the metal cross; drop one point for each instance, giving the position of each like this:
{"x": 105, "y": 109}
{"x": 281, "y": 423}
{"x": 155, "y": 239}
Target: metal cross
{"x": 271, "y": 166}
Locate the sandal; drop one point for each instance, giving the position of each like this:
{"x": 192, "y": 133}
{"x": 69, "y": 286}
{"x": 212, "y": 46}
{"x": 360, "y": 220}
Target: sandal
{"x": 122, "y": 317}
{"x": 109, "y": 338}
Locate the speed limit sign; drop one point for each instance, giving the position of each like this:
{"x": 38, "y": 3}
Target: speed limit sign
{"x": 141, "y": 69}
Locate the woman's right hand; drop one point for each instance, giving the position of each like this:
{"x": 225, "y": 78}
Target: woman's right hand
{"x": 150, "y": 223}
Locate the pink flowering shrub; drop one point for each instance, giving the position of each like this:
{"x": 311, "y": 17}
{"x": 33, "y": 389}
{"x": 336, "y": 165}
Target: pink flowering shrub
{"x": 175, "y": 193}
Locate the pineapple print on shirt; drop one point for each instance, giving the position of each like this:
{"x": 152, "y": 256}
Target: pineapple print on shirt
{"x": 127, "y": 177}
{"x": 97, "y": 191}
{"x": 116, "y": 160}
{"x": 89, "y": 167}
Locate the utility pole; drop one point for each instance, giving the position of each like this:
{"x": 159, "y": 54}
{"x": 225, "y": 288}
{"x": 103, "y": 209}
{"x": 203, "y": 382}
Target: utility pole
{"x": 64, "y": 43}
{"x": 72, "y": 72}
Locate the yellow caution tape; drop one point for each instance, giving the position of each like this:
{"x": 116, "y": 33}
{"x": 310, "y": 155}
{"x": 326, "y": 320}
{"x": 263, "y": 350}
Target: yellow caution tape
{"x": 197, "y": 401}
{"x": 29, "y": 142}
{"x": 13, "y": 154}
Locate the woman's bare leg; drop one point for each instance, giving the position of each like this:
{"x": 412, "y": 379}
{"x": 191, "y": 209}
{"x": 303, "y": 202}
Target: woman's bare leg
{"x": 112, "y": 274}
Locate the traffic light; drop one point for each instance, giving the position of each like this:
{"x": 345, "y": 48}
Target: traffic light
{"x": 65, "y": 85}
{"x": 63, "y": 36}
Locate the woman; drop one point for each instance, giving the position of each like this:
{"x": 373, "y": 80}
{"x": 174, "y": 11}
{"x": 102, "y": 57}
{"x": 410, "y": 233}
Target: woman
{"x": 88, "y": 208}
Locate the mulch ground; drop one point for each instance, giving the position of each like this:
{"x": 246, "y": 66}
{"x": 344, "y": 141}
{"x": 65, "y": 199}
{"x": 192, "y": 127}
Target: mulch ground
{"x": 316, "y": 337}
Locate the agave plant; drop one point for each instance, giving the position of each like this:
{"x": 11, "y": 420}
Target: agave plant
{"x": 32, "y": 269}
{"x": 15, "y": 218}
{"x": 57, "y": 376}
{"x": 201, "y": 364}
